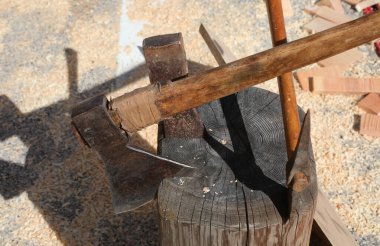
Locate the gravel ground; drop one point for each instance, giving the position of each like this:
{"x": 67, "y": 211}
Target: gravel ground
{"x": 54, "y": 191}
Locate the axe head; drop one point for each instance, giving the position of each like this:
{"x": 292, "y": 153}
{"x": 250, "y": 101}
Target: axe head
{"x": 134, "y": 177}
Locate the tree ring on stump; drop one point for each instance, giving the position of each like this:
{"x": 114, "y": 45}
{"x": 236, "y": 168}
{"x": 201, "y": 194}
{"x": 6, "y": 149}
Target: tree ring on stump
{"x": 237, "y": 194}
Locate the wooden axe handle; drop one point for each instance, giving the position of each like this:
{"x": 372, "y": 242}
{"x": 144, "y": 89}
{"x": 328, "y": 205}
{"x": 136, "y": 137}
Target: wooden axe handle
{"x": 149, "y": 105}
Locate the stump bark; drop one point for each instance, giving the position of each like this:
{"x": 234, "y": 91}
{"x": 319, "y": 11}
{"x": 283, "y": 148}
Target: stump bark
{"x": 238, "y": 193}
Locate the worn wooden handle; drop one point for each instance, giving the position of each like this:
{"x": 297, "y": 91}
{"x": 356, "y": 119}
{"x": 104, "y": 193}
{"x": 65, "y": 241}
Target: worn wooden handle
{"x": 149, "y": 105}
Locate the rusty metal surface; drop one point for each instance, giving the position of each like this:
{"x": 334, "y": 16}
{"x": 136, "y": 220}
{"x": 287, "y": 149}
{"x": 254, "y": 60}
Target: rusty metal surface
{"x": 165, "y": 57}
{"x": 134, "y": 177}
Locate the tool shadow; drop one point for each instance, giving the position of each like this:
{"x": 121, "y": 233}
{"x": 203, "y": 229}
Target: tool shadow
{"x": 242, "y": 160}
{"x": 67, "y": 182}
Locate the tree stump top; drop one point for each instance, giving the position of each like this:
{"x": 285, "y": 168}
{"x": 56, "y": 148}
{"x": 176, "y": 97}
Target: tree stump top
{"x": 240, "y": 176}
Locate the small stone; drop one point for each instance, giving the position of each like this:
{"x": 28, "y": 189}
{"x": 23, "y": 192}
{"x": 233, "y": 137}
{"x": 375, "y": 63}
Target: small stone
{"x": 206, "y": 189}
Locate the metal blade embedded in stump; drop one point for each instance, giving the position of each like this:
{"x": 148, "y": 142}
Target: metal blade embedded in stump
{"x": 238, "y": 195}
{"x": 244, "y": 191}
{"x": 229, "y": 203}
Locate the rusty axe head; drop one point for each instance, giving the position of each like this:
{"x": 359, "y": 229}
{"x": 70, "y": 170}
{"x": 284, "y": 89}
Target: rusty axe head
{"x": 134, "y": 175}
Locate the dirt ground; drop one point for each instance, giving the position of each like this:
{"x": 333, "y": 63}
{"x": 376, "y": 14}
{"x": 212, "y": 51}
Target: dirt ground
{"x": 55, "y": 54}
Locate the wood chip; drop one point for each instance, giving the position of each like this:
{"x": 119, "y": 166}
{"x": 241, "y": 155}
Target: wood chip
{"x": 328, "y": 14}
{"x": 303, "y": 75}
{"x": 343, "y": 60}
{"x": 318, "y": 24}
{"x": 370, "y": 125}
{"x": 344, "y": 85}
{"x": 287, "y": 8}
{"x": 370, "y": 103}
{"x": 331, "y": 224}
{"x": 334, "y": 4}
{"x": 365, "y": 4}
{"x": 353, "y": 2}
{"x": 337, "y": 6}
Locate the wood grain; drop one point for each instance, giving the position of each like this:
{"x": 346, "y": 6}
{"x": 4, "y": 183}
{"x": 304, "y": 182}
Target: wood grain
{"x": 344, "y": 85}
{"x": 304, "y": 151}
{"x": 370, "y": 103}
{"x": 328, "y": 14}
{"x": 331, "y": 224}
{"x": 318, "y": 24}
{"x": 305, "y": 75}
{"x": 196, "y": 90}
{"x": 370, "y": 125}
{"x": 334, "y": 4}
{"x": 247, "y": 201}
{"x": 343, "y": 60}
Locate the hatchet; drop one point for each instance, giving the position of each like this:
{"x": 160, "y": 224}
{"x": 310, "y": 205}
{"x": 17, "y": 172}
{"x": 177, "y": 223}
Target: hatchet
{"x": 104, "y": 125}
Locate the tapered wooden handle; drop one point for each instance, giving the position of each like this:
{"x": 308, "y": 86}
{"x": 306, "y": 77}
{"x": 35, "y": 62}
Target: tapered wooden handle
{"x": 149, "y": 105}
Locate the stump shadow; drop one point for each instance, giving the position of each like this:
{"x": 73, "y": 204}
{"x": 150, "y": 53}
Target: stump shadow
{"x": 241, "y": 159}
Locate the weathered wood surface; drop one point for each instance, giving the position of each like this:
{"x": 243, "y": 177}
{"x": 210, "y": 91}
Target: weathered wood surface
{"x": 318, "y": 236}
{"x": 196, "y": 90}
{"x": 242, "y": 161}
{"x": 330, "y": 224}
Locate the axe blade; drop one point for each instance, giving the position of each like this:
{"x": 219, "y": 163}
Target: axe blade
{"x": 134, "y": 176}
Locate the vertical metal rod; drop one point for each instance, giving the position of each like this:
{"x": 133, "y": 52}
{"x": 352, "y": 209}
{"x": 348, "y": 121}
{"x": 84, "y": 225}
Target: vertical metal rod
{"x": 285, "y": 82}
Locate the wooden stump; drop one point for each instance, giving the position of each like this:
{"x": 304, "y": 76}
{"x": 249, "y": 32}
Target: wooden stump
{"x": 238, "y": 195}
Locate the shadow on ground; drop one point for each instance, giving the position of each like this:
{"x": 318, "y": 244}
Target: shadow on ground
{"x": 67, "y": 181}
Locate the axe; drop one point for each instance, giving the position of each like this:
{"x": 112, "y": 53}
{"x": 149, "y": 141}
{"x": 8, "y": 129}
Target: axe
{"x": 104, "y": 125}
